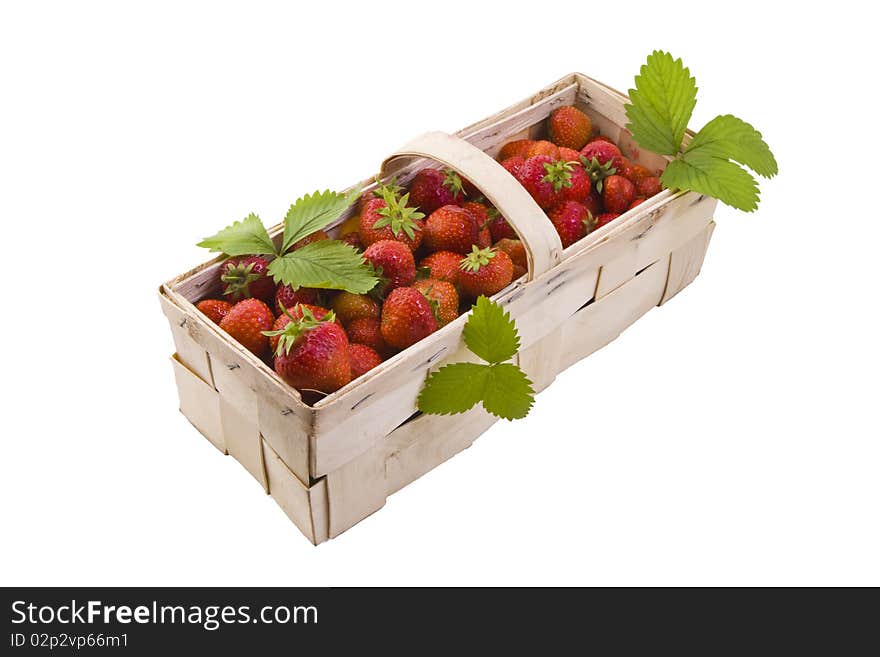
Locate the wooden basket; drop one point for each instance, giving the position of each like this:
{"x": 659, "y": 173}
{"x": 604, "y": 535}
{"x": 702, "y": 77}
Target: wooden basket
{"x": 332, "y": 463}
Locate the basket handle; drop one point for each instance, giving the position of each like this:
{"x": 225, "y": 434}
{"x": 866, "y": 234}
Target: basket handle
{"x": 541, "y": 242}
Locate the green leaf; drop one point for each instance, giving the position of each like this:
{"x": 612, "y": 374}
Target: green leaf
{"x": 453, "y": 388}
{"x": 327, "y": 264}
{"x": 713, "y": 176}
{"x": 661, "y": 104}
{"x": 728, "y": 137}
{"x": 313, "y": 212}
{"x": 245, "y": 237}
{"x": 507, "y": 392}
{"x": 490, "y": 333}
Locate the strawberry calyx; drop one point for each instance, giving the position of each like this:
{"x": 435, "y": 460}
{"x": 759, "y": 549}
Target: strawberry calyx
{"x": 434, "y": 303}
{"x": 295, "y": 328}
{"x": 423, "y": 273}
{"x": 452, "y": 182}
{"x": 387, "y": 191}
{"x": 589, "y": 220}
{"x": 238, "y": 279}
{"x": 598, "y": 172}
{"x": 558, "y": 174}
{"x": 399, "y": 216}
{"x": 477, "y": 259}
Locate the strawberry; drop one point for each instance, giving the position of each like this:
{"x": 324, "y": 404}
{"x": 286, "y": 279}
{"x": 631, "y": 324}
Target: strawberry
{"x": 451, "y": 228}
{"x": 601, "y": 138}
{"x": 648, "y": 186}
{"x": 485, "y": 271}
{"x": 362, "y": 359}
{"x": 569, "y": 154}
{"x": 545, "y": 178}
{"x": 367, "y": 330}
{"x": 518, "y": 271}
{"x": 618, "y": 193}
{"x": 605, "y": 219}
{"x": 215, "y": 309}
{"x": 390, "y": 218}
{"x": 604, "y": 151}
{"x": 287, "y": 297}
{"x": 515, "y": 249}
{"x": 483, "y": 216}
{"x": 407, "y": 317}
{"x": 580, "y": 184}
{"x": 395, "y": 260}
{"x": 499, "y": 228}
{"x": 513, "y": 164}
{"x": 637, "y": 201}
{"x": 313, "y": 354}
{"x": 518, "y": 148}
{"x": 293, "y": 313}
{"x": 569, "y": 127}
{"x": 442, "y": 297}
{"x": 633, "y": 171}
{"x": 247, "y": 277}
{"x": 442, "y": 265}
{"x": 431, "y": 189}
{"x": 570, "y": 220}
{"x": 317, "y": 236}
{"x": 246, "y": 321}
{"x": 348, "y": 307}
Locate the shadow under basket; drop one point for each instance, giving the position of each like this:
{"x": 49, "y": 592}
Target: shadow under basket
{"x": 332, "y": 462}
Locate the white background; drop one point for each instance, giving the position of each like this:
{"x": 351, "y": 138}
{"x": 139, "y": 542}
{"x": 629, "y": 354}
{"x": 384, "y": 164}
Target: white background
{"x": 729, "y": 437}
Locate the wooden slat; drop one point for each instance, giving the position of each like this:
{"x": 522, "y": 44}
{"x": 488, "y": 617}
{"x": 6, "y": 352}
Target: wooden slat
{"x": 200, "y": 403}
{"x": 685, "y": 262}
{"x": 305, "y": 506}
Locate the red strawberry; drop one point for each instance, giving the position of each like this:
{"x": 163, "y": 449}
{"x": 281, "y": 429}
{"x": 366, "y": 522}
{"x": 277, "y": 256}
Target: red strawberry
{"x": 633, "y": 171}
{"x": 246, "y": 321}
{"x": 294, "y": 313}
{"x": 407, "y": 317}
{"x": 593, "y": 203}
{"x": 570, "y": 220}
{"x": 580, "y": 185}
{"x": 515, "y": 249}
{"x": 313, "y": 354}
{"x": 362, "y": 359}
{"x": 442, "y": 265}
{"x": 287, "y": 297}
{"x": 247, "y": 277}
{"x": 618, "y": 193}
{"x": 605, "y": 219}
{"x": 513, "y": 164}
{"x": 431, "y": 189}
{"x": 518, "y": 272}
{"x": 649, "y": 186}
{"x": 485, "y": 271}
{"x": 317, "y": 236}
{"x": 545, "y": 179}
{"x": 443, "y": 299}
{"x": 601, "y": 138}
{"x": 391, "y": 218}
{"x": 569, "y": 127}
{"x": 518, "y": 148}
{"x": 215, "y": 309}
{"x": 499, "y": 228}
{"x": 367, "y": 330}
{"x": 604, "y": 152}
{"x": 543, "y": 147}
{"x": 483, "y": 216}
{"x": 348, "y": 307}
{"x": 569, "y": 154}
{"x": 451, "y": 228}
{"x": 396, "y": 261}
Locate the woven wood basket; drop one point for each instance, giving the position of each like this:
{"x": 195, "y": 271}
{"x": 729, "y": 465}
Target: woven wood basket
{"x": 332, "y": 463}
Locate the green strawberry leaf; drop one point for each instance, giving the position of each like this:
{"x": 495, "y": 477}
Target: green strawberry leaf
{"x": 326, "y": 264}
{"x": 313, "y": 212}
{"x": 713, "y": 176}
{"x": 453, "y": 389}
{"x": 508, "y": 393}
{"x": 728, "y": 137}
{"x": 490, "y": 333}
{"x": 245, "y": 237}
{"x": 661, "y": 104}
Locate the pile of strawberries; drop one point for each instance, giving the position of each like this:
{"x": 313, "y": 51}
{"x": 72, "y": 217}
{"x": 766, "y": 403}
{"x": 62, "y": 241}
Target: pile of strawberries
{"x": 435, "y": 247}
